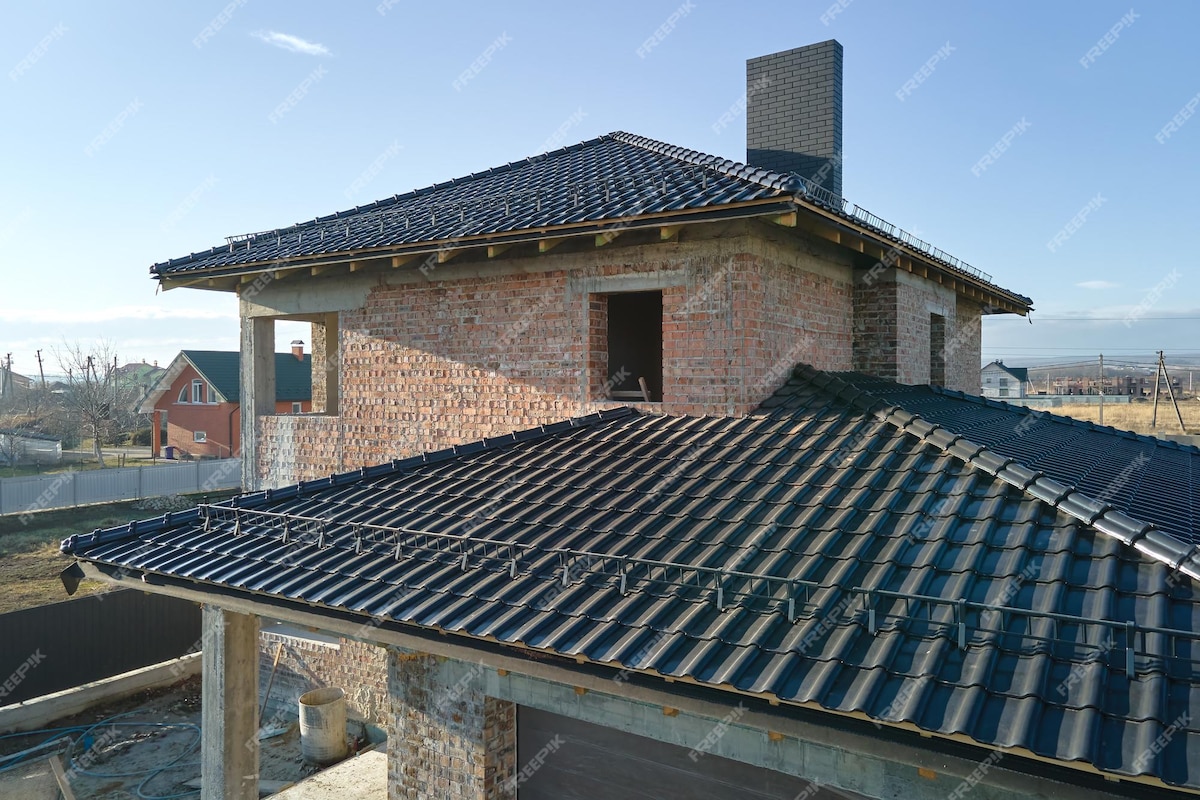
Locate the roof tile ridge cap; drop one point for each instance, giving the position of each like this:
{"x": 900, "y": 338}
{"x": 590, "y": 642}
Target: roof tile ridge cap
{"x": 733, "y": 169}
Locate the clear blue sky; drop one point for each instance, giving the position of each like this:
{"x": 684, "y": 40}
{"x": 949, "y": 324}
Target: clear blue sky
{"x": 125, "y": 143}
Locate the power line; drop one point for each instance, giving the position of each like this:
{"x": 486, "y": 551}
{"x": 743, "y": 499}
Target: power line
{"x": 1010, "y": 318}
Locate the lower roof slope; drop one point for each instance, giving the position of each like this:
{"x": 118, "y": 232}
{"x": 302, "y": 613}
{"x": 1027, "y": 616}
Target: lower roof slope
{"x": 831, "y": 551}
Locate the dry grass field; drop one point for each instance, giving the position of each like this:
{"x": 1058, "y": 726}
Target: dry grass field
{"x": 1136, "y": 416}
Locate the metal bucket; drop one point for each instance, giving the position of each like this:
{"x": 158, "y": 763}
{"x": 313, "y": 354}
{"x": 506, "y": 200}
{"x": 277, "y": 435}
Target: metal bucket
{"x": 323, "y": 726}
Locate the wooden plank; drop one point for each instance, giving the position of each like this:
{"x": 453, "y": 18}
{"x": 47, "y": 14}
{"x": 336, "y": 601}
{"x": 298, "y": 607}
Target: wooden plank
{"x": 546, "y": 245}
{"x": 400, "y": 261}
{"x": 495, "y": 250}
{"x": 788, "y": 220}
{"x": 669, "y": 233}
{"x": 606, "y": 238}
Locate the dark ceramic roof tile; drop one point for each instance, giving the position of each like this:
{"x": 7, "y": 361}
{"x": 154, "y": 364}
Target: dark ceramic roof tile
{"x": 969, "y": 558}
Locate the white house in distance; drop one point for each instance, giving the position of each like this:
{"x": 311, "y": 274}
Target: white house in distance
{"x": 998, "y": 380}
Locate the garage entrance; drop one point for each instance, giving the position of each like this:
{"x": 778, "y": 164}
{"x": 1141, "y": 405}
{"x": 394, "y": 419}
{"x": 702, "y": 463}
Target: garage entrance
{"x": 591, "y": 762}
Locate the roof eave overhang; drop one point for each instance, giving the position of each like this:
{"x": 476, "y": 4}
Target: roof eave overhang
{"x": 583, "y": 673}
{"x": 231, "y": 277}
{"x": 789, "y": 211}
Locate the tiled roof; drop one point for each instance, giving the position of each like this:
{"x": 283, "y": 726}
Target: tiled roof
{"x": 1020, "y": 373}
{"x": 610, "y": 179}
{"x": 832, "y": 550}
{"x": 221, "y": 368}
{"x": 1154, "y": 480}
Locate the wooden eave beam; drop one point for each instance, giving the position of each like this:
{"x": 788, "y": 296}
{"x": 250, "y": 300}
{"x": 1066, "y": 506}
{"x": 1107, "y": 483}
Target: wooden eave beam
{"x": 669, "y": 233}
{"x": 495, "y": 250}
{"x": 546, "y": 245}
{"x": 400, "y": 261}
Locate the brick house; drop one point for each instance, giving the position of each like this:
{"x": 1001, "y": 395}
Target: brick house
{"x": 195, "y": 405}
{"x": 564, "y": 492}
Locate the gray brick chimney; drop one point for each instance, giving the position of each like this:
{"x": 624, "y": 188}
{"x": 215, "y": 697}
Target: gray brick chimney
{"x": 794, "y": 112}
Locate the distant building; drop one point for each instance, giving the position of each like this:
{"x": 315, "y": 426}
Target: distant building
{"x": 998, "y": 380}
{"x": 12, "y": 386}
{"x": 140, "y": 376}
{"x": 196, "y": 403}
{"x": 28, "y": 447}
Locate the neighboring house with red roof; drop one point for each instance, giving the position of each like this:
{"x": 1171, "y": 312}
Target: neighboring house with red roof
{"x": 577, "y": 524}
{"x": 196, "y": 404}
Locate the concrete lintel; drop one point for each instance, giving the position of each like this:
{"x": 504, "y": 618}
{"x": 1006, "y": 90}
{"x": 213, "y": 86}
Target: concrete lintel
{"x": 229, "y": 706}
{"x": 642, "y": 282}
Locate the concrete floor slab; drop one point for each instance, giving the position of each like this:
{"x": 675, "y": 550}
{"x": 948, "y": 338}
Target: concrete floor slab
{"x": 363, "y": 777}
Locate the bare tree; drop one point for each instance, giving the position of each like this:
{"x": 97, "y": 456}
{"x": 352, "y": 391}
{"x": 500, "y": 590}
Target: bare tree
{"x": 95, "y": 398}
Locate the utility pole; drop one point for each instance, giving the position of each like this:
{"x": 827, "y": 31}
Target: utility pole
{"x": 41, "y": 370}
{"x": 1171, "y": 391}
{"x": 1157, "y": 372}
{"x": 1102, "y": 388}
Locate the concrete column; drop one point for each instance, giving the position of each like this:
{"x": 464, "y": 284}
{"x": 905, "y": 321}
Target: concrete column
{"x": 257, "y": 389}
{"x": 326, "y": 365}
{"x": 229, "y": 706}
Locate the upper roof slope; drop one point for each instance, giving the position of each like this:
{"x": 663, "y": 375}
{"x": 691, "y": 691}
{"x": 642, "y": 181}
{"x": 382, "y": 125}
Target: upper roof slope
{"x": 612, "y": 178}
{"x": 833, "y": 551}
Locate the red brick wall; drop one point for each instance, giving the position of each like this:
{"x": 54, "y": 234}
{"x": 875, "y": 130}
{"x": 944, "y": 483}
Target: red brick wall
{"x": 892, "y": 330}
{"x": 432, "y": 364}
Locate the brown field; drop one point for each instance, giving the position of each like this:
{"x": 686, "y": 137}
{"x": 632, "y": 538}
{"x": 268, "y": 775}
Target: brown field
{"x": 1136, "y": 416}
{"x": 29, "y": 557}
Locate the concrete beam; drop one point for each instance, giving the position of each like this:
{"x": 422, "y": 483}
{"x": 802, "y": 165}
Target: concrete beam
{"x": 229, "y": 706}
{"x": 258, "y": 390}
{"x": 41, "y": 711}
{"x": 837, "y": 737}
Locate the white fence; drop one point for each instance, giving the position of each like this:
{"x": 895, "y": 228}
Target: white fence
{"x": 66, "y": 489}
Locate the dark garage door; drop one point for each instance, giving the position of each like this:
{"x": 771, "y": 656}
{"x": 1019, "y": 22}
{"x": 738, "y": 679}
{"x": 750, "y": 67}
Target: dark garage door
{"x": 597, "y": 763}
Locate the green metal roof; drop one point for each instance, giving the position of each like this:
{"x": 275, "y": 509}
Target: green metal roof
{"x": 222, "y": 369}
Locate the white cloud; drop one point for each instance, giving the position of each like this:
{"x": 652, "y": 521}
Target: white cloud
{"x": 293, "y": 43}
{"x": 1097, "y": 285}
{"x": 110, "y": 314}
